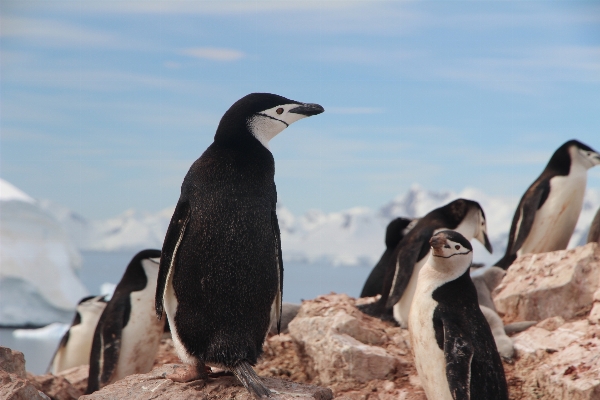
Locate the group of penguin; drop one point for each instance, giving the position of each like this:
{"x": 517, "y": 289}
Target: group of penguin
{"x": 218, "y": 279}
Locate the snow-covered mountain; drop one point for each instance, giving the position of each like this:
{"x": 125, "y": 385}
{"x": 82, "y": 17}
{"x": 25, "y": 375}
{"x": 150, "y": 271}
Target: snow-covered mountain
{"x": 38, "y": 284}
{"x": 349, "y": 237}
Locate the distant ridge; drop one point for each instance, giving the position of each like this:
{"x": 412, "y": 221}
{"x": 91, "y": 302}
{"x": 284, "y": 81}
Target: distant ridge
{"x": 349, "y": 237}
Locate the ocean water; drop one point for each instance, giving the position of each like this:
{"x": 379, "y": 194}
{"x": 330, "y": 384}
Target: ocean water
{"x": 300, "y": 281}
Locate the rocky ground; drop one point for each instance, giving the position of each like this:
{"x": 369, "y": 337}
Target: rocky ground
{"x": 334, "y": 350}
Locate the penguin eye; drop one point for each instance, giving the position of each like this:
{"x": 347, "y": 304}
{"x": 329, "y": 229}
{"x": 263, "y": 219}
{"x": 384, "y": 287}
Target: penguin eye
{"x": 457, "y": 247}
{"x": 279, "y": 111}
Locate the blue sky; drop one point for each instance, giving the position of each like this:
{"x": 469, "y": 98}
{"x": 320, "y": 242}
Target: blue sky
{"x": 104, "y": 105}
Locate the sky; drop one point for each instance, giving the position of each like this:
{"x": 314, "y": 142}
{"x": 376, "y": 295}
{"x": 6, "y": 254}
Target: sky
{"x": 104, "y": 105}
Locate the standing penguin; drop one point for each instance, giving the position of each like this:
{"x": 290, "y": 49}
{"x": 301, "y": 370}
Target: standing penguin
{"x": 128, "y": 334}
{"x": 221, "y": 274}
{"x": 76, "y": 345}
{"x": 548, "y": 211}
{"x": 464, "y": 216}
{"x": 455, "y": 353}
{"x": 394, "y": 233}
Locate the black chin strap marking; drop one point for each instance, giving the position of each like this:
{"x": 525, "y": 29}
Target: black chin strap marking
{"x": 452, "y": 255}
{"x": 268, "y": 116}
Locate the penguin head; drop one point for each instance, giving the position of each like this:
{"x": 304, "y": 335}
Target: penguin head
{"x": 263, "y": 116}
{"x": 583, "y": 154}
{"x": 468, "y": 218}
{"x": 451, "y": 252}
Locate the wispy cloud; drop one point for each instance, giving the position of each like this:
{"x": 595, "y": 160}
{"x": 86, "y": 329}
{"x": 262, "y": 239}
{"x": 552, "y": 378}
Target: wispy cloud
{"x": 51, "y": 32}
{"x": 213, "y": 53}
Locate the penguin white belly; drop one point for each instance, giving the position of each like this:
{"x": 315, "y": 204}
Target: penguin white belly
{"x": 141, "y": 336}
{"x": 555, "y": 221}
{"x": 79, "y": 346}
{"x": 170, "y": 302}
{"x": 402, "y": 307}
{"x": 429, "y": 358}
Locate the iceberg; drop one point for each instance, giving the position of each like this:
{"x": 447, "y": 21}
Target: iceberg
{"x": 38, "y": 283}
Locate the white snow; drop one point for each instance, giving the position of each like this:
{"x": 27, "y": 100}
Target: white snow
{"x": 55, "y": 330}
{"x": 107, "y": 289}
{"x": 9, "y": 192}
{"x": 350, "y": 237}
{"x": 38, "y": 284}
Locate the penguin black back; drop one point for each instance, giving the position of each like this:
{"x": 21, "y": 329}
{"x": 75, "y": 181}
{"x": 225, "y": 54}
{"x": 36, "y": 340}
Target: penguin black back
{"x": 458, "y": 313}
{"x": 395, "y": 231}
{"x": 221, "y": 273}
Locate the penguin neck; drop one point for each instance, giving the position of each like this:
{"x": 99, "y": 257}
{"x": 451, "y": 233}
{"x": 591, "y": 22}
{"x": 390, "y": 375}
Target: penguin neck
{"x": 469, "y": 226}
{"x": 440, "y": 271}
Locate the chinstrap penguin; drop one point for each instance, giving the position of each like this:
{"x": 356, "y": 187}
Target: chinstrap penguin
{"x": 548, "y": 211}
{"x": 128, "y": 333}
{"x": 394, "y": 232}
{"x": 221, "y": 271}
{"x": 455, "y": 352}
{"x": 464, "y": 216}
{"x": 76, "y": 345}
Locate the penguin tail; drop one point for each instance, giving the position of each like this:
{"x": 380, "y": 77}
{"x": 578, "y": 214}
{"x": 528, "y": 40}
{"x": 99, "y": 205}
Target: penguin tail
{"x": 244, "y": 372}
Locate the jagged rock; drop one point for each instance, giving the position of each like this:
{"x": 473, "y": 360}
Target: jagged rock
{"x": 55, "y": 387}
{"x": 12, "y": 387}
{"x": 154, "y": 386}
{"x": 559, "y": 283}
{"x": 352, "y": 353}
{"x": 77, "y": 377}
{"x": 13, "y": 362}
{"x": 339, "y": 346}
{"x": 594, "y": 316}
{"x": 560, "y": 361}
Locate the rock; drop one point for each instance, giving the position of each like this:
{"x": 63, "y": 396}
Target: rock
{"x": 77, "y": 377}
{"x": 55, "y": 387}
{"x": 561, "y": 363}
{"x": 559, "y": 283}
{"x": 339, "y": 346}
{"x": 12, "y": 387}
{"x": 13, "y": 362}
{"x": 503, "y": 343}
{"x": 154, "y": 386}
{"x": 594, "y": 316}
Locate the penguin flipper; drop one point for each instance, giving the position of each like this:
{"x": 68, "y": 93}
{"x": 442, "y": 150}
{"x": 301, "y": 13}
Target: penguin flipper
{"x": 175, "y": 232}
{"x": 106, "y": 345}
{"x": 533, "y": 199}
{"x": 278, "y": 298}
{"x": 458, "y": 353}
{"x": 412, "y": 250}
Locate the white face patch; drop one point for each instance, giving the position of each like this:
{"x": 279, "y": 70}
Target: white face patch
{"x": 265, "y": 125}
{"x": 587, "y": 158}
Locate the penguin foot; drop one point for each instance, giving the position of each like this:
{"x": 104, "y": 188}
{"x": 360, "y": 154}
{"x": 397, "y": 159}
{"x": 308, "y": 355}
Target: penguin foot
{"x": 191, "y": 373}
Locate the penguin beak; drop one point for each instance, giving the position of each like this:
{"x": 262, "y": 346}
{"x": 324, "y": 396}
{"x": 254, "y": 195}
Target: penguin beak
{"x": 308, "y": 109}
{"x": 438, "y": 241}
{"x": 486, "y": 243}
